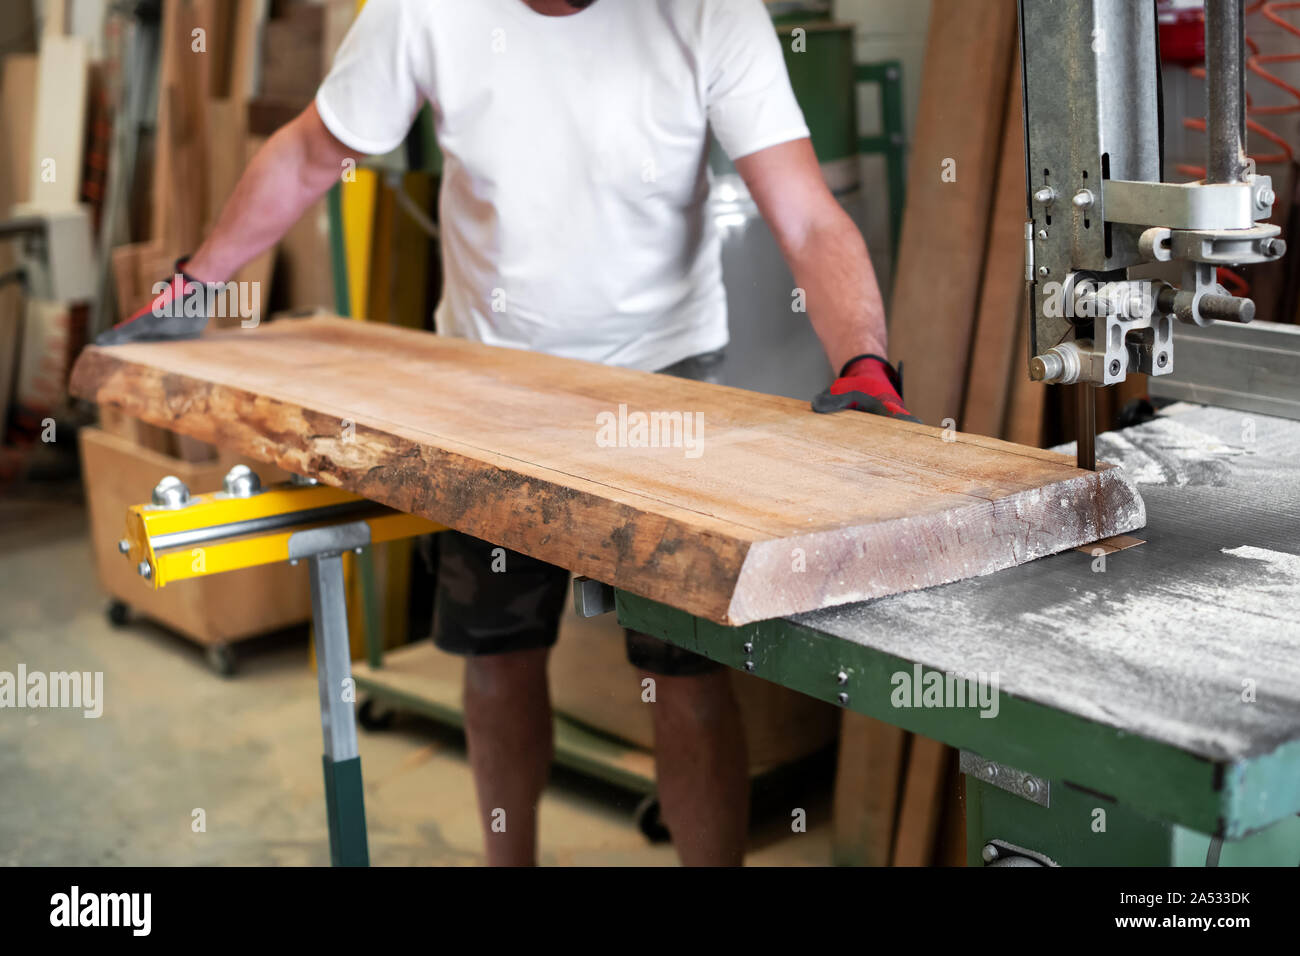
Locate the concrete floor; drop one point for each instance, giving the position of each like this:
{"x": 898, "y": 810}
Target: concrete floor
{"x": 174, "y": 737}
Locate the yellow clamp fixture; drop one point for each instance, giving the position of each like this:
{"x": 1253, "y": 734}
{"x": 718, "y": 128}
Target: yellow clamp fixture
{"x": 178, "y": 535}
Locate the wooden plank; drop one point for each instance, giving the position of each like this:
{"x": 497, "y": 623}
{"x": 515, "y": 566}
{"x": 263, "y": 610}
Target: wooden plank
{"x": 18, "y": 92}
{"x": 993, "y": 354}
{"x": 1027, "y": 403}
{"x": 60, "y": 120}
{"x": 755, "y": 508}
{"x": 950, "y": 186}
{"x": 867, "y": 781}
{"x": 919, "y": 816}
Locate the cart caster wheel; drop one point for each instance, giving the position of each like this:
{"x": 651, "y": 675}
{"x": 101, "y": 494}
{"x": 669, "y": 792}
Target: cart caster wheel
{"x": 118, "y": 613}
{"x": 648, "y": 820}
{"x": 370, "y": 717}
{"x": 221, "y": 658}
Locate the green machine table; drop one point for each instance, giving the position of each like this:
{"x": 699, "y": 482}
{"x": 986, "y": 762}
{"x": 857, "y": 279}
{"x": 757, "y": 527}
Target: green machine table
{"x": 1147, "y": 702}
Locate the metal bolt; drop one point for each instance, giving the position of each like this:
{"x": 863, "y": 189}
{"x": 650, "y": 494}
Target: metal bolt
{"x": 1162, "y": 359}
{"x": 747, "y": 647}
{"x": 124, "y": 546}
{"x": 1045, "y": 196}
{"x": 171, "y": 492}
{"x": 749, "y": 665}
{"x": 241, "y": 482}
{"x": 1265, "y": 197}
{"x": 843, "y": 698}
{"x": 990, "y": 771}
{"x": 989, "y": 853}
{"x": 1046, "y": 367}
{"x": 1114, "y": 367}
{"x": 293, "y": 562}
{"x": 146, "y": 572}
{"x": 1043, "y": 271}
{"x": 1029, "y": 786}
{"x": 1042, "y": 233}
{"x": 1083, "y": 199}
{"x": 841, "y": 678}
{"x": 357, "y": 550}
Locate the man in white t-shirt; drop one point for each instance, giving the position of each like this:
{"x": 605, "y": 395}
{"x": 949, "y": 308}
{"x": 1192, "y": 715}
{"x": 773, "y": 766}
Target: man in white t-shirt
{"x": 572, "y": 207}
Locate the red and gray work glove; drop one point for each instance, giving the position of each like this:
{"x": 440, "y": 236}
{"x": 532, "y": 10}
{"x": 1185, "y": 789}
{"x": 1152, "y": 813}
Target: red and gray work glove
{"x": 180, "y": 311}
{"x": 867, "y": 383}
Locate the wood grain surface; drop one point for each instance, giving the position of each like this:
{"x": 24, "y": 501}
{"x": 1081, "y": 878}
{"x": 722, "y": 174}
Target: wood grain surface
{"x": 776, "y": 509}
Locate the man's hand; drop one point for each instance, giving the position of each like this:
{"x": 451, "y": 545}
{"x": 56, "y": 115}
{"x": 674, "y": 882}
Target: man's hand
{"x": 180, "y": 311}
{"x": 869, "y": 384}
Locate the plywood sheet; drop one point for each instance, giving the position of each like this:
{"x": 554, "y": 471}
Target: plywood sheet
{"x": 762, "y": 509}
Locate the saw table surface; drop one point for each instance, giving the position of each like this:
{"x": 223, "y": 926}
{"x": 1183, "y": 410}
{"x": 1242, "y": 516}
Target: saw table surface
{"x": 1167, "y": 678}
{"x": 1171, "y": 637}
{"x": 747, "y": 507}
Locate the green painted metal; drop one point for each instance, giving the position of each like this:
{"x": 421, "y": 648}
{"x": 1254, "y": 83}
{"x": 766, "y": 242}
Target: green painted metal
{"x": 1083, "y": 829}
{"x": 1080, "y": 828}
{"x": 819, "y": 59}
{"x": 338, "y": 256}
{"x": 1143, "y": 774}
{"x": 890, "y": 141}
{"x": 346, "y": 811}
{"x": 422, "y": 151}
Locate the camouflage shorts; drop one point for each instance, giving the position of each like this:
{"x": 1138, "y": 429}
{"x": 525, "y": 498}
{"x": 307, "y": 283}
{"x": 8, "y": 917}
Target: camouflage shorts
{"x": 490, "y": 600}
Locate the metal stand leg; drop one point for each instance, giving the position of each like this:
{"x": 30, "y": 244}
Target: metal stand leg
{"x": 344, "y": 800}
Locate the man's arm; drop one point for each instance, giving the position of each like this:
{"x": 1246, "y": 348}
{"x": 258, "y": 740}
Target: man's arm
{"x": 829, "y": 260}
{"x": 290, "y": 172}
{"x": 822, "y": 246}
{"x": 293, "y": 169}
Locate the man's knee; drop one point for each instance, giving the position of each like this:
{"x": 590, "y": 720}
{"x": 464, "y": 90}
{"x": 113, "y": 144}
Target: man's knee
{"x": 701, "y": 700}
{"x": 506, "y": 675}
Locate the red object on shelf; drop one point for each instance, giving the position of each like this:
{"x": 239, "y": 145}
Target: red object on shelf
{"x": 1182, "y": 33}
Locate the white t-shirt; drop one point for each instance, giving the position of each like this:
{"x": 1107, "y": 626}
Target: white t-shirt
{"x": 575, "y": 176}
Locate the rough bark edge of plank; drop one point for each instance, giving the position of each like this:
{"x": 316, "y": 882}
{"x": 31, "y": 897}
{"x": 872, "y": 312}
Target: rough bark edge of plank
{"x": 444, "y": 486}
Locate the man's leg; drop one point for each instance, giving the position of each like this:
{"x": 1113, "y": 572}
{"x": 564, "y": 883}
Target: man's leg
{"x": 508, "y": 729}
{"x": 700, "y": 760}
{"x": 501, "y": 610}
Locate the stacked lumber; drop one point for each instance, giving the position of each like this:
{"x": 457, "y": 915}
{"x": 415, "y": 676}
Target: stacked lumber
{"x": 17, "y": 90}
{"x": 219, "y": 60}
{"x": 206, "y": 76}
{"x": 43, "y": 98}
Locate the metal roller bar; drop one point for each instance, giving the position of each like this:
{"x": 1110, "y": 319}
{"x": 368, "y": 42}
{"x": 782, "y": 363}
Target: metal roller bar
{"x": 180, "y": 539}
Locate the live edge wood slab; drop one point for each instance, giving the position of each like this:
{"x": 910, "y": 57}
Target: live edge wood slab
{"x": 760, "y": 509}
